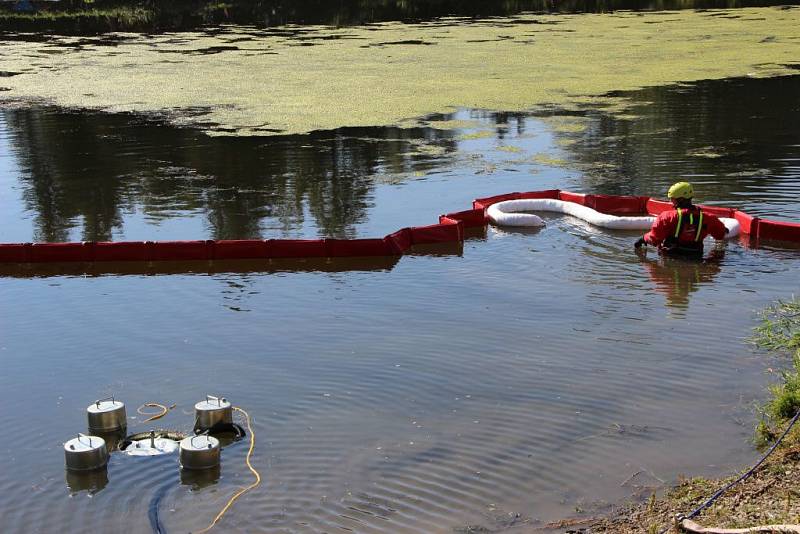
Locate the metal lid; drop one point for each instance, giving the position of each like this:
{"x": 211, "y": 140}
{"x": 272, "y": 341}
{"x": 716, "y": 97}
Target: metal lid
{"x": 213, "y": 403}
{"x": 199, "y": 443}
{"x": 105, "y": 406}
{"x": 84, "y": 443}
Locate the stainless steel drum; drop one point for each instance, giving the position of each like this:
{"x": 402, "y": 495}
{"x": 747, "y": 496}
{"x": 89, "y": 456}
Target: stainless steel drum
{"x": 212, "y": 411}
{"x": 200, "y": 452}
{"x": 85, "y": 453}
{"x": 107, "y": 415}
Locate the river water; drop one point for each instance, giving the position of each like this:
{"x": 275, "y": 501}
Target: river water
{"x": 519, "y": 379}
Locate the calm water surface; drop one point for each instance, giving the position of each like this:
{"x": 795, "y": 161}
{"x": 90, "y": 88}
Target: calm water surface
{"x": 501, "y": 386}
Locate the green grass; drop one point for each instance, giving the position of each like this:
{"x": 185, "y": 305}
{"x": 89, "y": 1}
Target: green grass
{"x": 127, "y": 15}
{"x": 779, "y": 331}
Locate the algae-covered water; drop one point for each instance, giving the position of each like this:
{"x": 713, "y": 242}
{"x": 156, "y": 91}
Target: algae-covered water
{"x": 525, "y": 377}
{"x": 290, "y": 80}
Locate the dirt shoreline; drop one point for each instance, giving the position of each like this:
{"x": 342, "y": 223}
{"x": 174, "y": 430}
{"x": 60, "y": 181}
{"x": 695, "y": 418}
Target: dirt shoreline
{"x": 770, "y": 496}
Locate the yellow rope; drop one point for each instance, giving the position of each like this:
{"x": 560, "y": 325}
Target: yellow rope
{"x": 252, "y": 470}
{"x": 153, "y": 416}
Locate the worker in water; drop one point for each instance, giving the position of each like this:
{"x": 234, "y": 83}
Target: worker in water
{"x": 681, "y": 232}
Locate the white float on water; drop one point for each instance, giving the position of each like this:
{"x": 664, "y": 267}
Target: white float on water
{"x": 508, "y": 213}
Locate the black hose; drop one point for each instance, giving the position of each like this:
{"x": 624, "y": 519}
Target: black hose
{"x": 718, "y": 493}
{"x": 224, "y": 428}
{"x": 152, "y": 509}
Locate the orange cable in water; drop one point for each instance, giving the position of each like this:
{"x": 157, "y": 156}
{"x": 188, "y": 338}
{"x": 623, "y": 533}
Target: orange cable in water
{"x": 252, "y": 470}
{"x": 153, "y": 416}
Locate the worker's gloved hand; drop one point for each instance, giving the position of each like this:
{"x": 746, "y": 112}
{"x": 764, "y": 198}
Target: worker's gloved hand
{"x": 639, "y": 243}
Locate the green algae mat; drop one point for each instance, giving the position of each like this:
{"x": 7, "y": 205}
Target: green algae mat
{"x": 238, "y": 80}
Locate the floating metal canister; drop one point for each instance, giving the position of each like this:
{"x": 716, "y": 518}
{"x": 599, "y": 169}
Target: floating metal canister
{"x": 212, "y": 411}
{"x": 107, "y": 415}
{"x": 200, "y": 452}
{"x": 85, "y": 453}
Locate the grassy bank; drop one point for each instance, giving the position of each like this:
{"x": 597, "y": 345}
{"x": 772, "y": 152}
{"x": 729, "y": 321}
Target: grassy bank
{"x": 84, "y": 20}
{"x": 772, "y": 495}
{"x": 80, "y": 17}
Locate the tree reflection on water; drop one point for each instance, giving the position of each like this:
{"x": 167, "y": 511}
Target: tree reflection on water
{"x": 93, "y": 167}
{"x": 738, "y": 140}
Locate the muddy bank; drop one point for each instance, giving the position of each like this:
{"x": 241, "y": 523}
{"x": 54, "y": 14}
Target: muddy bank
{"x": 769, "y": 497}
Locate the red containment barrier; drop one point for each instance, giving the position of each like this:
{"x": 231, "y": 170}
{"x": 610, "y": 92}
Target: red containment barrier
{"x": 627, "y": 205}
{"x": 399, "y": 241}
{"x": 748, "y": 223}
{"x": 483, "y": 203}
{"x": 180, "y": 250}
{"x": 449, "y": 230}
{"x": 50, "y": 252}
{"x": 125, "y": 251}
{"x": 469, "y": 218}
{"x": 344, "y": 248}
{"x": 719, "y": 212}
{"x": 15, "y": 252}
{"x": 655, "y": 207}
{"x": 779, "y": 230}
{"x": 296, "y": 248}
{"x": 446, "y": 232}
{"x": 239, "y": 249}
{"x": 577, "y": 198}
{"x": 547, "y": 193}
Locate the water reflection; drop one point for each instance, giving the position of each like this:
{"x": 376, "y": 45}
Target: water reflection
{"x": 198, "y": 479}
{"x": 91, "y": 482}
{"x": 90, "y": 176}
{"x": 738, "y": 140}
{"x": 677, "y": 278}
{"x": 88, "y": 170}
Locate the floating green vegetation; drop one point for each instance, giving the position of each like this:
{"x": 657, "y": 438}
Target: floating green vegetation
{"x": 566, "y": 124}
{"x": 546, "y": 159}
{"x": 480, "y": 134}
{"x": 509, "y": 148}
{"x": 780, "y": 331}
{"x": 452, "y": 124}
{"x": 253, "y": 82}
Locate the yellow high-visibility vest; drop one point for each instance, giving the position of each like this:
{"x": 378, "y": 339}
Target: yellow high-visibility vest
{"x": 691, "y": 221}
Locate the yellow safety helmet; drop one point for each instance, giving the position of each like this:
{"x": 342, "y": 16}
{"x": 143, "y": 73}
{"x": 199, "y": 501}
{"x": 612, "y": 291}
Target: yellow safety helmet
{"x": 681, "y": 190}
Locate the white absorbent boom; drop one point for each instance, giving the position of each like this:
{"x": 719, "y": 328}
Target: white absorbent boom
{"x": 509, "y": 213}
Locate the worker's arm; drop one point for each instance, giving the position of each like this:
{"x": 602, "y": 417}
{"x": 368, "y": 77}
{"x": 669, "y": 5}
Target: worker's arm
{"x": 662, "y": 228}
{"x": 716, "y": 228}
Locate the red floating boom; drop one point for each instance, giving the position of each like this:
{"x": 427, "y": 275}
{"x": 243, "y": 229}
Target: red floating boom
{"x": 450, "y": 229}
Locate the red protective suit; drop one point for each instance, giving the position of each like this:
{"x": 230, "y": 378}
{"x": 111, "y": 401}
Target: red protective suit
{"x": 668, "y": 237}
